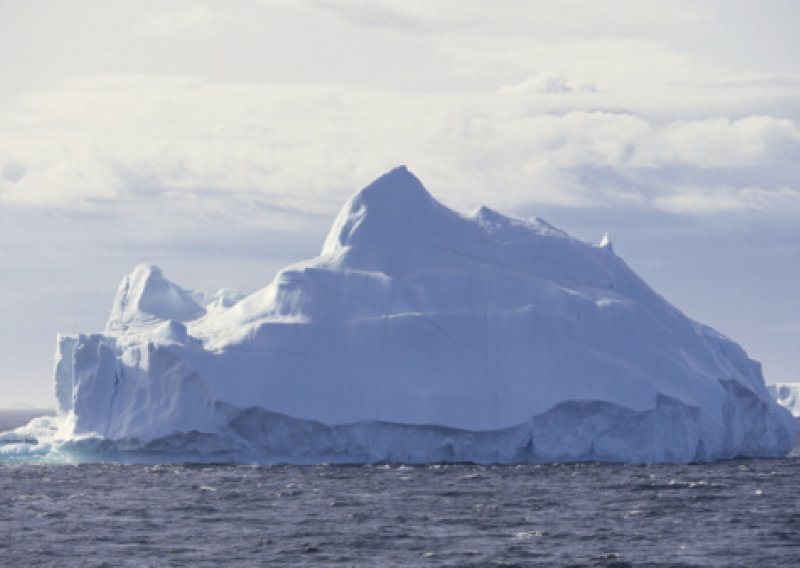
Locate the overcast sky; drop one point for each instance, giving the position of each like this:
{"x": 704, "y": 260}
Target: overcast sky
{"x": 218, "y": 140}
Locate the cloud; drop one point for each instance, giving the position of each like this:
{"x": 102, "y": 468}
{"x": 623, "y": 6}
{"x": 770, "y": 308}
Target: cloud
{"x": 548, "y": 84}
{"x": 721, "y": 142}
{"x": 385, "y": 15}
{"x": 284, "y": 154}
{"x": 515, "y": 17}
{"x": 197, "y": 19}
{"x": 704, "y": 200}
{"x": 61, "y": 181}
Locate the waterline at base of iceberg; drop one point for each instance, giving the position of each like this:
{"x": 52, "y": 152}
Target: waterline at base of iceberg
{"x": 572, "y": 431}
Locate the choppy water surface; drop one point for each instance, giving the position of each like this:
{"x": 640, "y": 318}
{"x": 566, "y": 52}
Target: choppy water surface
{"x": 732, "y": 513}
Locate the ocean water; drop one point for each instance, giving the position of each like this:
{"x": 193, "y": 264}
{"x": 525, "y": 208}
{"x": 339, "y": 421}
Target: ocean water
{"x": 743, "y": 512}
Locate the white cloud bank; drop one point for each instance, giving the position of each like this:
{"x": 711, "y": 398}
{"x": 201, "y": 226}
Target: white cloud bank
{"x": 197, "y": 19}
{"x": 110, "y": 140}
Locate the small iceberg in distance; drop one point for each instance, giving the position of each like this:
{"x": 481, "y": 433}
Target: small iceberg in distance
{"x": 417, "y": 335}
{"x": 787, "y": 395}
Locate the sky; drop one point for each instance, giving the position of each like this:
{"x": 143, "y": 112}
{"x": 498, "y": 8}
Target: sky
{"x": 219, "y": 139}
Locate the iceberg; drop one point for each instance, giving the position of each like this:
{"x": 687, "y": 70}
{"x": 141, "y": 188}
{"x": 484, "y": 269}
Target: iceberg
{"x": 417, "y": 335}
{"x": 787, "y": 395}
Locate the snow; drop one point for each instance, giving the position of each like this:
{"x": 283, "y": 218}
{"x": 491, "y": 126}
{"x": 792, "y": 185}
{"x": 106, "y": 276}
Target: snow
{"x": 605, "y": 243}
{"x": 418, "y": 335}
{"x": 787, "y": 395}
{"x": 145, "y": 296}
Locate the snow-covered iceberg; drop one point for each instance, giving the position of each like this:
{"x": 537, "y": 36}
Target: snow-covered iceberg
{"x": 418, "y": 334}
{"x": 787, "y": 395}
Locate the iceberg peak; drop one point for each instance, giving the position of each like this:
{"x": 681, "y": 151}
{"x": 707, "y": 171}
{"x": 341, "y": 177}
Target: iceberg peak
{"x": 395, "y": 199}
{"x": 144, "y": 297}
{"x": 605, "y": 243}
{"x": 489, "y": 215}
{"x": 397, "y": 191}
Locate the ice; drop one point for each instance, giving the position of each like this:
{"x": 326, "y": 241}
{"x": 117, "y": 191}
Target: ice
{"x": 418, "y": 334}
{"x": 32, "y": 442}
{"x": 145, "y": 297}
{"x": 787, "y": 395}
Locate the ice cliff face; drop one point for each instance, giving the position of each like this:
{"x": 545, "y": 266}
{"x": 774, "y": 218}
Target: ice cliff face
{"x": 418, "y": 334}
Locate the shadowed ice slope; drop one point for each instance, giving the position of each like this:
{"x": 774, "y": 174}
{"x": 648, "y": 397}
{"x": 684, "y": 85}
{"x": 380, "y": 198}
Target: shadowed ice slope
{"x": 419, "y": 334}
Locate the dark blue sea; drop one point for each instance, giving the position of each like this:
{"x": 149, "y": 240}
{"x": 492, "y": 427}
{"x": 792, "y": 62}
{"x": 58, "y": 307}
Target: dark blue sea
{"x": 735, "y": 513}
